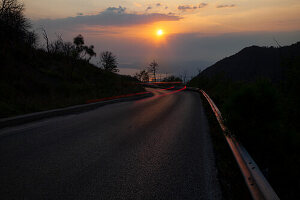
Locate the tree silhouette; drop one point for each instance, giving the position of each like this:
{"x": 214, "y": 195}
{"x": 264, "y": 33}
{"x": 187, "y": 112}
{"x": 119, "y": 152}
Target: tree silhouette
{"x": 11, "y": 13}
{"x": 46, "y": 38}
{"x": 13, "y": 24}
{"x": 78, "y": 41}
{"x": 81, "y": 49}
{"x": 90, "y": 52}
{"x": 108, "y": 61}
{"x": 153, "y": 67}
{"x": 142, "y": 76}
{"x": 79, "y": 45}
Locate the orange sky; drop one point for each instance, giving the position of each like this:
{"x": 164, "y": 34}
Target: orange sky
{"x": 245, "y": 15}
{"x": 119, "y": 25}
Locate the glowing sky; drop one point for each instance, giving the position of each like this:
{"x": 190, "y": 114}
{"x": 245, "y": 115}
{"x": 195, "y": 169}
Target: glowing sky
{"x": 195, "y": 33}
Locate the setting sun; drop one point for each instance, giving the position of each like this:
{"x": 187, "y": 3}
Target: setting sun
{"x": 159, "y": 32}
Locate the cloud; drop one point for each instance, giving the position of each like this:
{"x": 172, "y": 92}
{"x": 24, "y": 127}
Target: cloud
{"x": 148, "y": 8}
{"x": 119, "y": 10}
{"x": 225, "y": 6}
{"x": 185, "y": 8}
{"x": 112, "y": 16}
{"x": 202, "y": 5}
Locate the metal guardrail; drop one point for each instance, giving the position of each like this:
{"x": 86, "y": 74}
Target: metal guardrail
{"x": 257, "y": 184}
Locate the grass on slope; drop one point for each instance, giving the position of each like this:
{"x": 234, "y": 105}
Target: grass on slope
{"x": 33, "y": 80}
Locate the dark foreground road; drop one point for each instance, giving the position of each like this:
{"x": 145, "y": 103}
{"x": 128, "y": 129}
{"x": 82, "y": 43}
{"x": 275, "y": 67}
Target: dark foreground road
{"x": 155, "y": 148}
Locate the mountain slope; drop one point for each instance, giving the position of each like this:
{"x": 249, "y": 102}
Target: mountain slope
{"x": 257, "y": 91}
{"x": 254, "y": 62}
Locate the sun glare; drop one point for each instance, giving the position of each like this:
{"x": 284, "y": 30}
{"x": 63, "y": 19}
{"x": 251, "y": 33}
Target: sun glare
{"x": 159, "y": 32}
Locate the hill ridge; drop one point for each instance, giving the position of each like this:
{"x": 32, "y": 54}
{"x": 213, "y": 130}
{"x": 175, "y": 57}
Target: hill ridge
{"x": 254, "y": 62}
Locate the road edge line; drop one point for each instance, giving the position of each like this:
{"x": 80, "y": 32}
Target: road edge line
{"x": 37, "y": 116}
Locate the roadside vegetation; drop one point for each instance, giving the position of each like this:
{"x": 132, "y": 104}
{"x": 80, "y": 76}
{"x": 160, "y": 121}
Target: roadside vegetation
{"x": 263, "y": 114}
{"x": 60, "y": 74}
{"x": 148, "y": 74}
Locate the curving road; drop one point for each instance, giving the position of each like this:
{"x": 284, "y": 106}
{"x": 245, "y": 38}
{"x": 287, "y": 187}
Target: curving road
{"x": 154, "y": 148}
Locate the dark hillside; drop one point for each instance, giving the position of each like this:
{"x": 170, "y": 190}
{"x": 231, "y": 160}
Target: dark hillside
{"x": 253, "y": 63}
{"x": 257, "y": 91}
{"x": 34, "y": 80}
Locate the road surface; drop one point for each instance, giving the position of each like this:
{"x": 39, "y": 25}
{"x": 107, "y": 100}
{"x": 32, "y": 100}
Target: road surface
{"x": 154, "y": 148}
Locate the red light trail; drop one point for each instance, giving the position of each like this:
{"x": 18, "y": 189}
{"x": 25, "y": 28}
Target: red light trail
{"x": 161, "y": 83}
{"x": 134, "y": 94}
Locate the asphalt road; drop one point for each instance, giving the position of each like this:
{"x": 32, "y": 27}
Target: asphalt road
{"x": 154, "y": 148}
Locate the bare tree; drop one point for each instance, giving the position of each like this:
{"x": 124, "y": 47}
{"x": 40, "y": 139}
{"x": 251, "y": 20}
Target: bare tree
{"x": 142, "y": 76}
{"x": 11, "y": 12}
{"x": 46, "y": 38}
{"x": 277, "y": 42}
{"x": 153, "y": 67}
{"x": 184, "y": 76}
{"x": 108, "y": 61}
{"x": 13, "y": 24}
{"x": 57, "y": 47}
